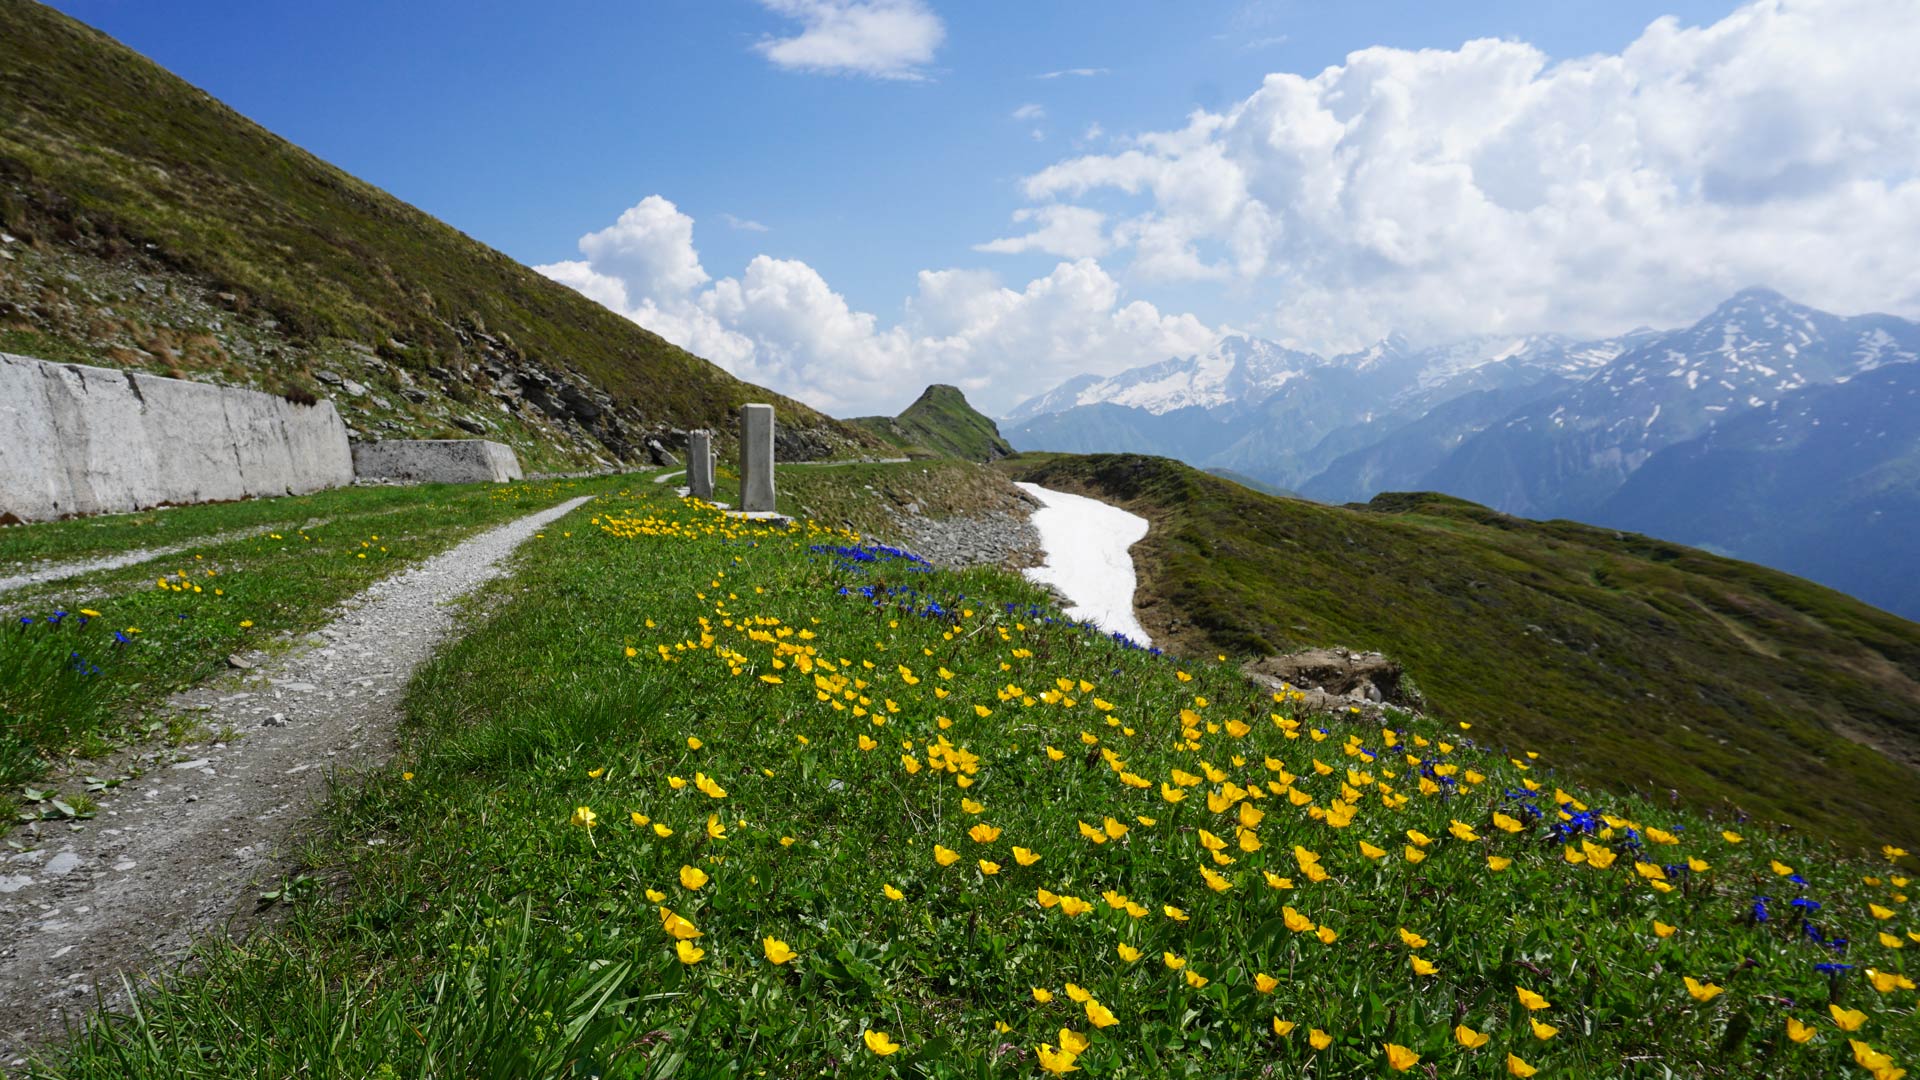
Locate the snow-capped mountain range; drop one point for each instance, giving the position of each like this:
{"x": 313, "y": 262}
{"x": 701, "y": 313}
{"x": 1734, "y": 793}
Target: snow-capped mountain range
{"x": 1542, "y": 425}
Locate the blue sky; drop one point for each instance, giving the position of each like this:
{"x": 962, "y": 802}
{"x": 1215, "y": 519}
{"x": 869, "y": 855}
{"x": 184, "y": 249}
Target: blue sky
{"x": 810, "y": 161}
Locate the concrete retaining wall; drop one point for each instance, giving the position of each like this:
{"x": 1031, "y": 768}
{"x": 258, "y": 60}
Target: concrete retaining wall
{"x": 444, "y": 461}
{"x": 76, "y": 439}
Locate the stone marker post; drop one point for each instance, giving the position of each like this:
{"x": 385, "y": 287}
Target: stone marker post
{"x": 756, "y": 458}
{"x": 700, "y": 465}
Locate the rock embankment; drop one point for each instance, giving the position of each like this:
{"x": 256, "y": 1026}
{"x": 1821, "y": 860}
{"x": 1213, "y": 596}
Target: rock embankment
{"x": 1004, "y": 538}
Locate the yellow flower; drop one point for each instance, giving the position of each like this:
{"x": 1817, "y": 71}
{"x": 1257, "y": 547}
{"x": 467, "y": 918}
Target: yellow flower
{"x": 777, "y": 951}
{"x": 1463, "y": 831}
{"x": 1074, "y": 1041}
{"x": 1055, "y": 1061}
{"x": 688, "y": 952}
{"x": 1702, "y": 991}
{"x": 1174, "y": 913}
{"x": 632, "y": 652}
{"x": 1497, "y": 863}
{"x": 1370, "y": 851}
{"x": 714, "y": 829}
{"x": 1128, "y": 952}
{"x": 1046, "y": 898}
{"x": 676, "y": 783}
{"x": 866, "y": 743}
{"x": 984, "y": 833}
{"x": 878, "y": 1042}
{"x": 656, "y": 895}
{"x": 1215, "y": 881}
{"x": 1532, "y": 1000}
{"x": 1411, "y": 939}
{"x": 1798, "y": 1031}
{"x": 989, "y": 868}
{"x": 1890, "y": 942}
{"x": 1264, "y": 982}
{"x": 1172, "y": 961}
{"x": 1661, "y": 929}
{"x": 1114, "y": 829}
{"x": 1024, "y": 857}
{"x": 945, "y": 856}
{"x": 584, "y": 817}
{"x": 1295, "y": 921}
{"x": 1731, "y": 837}
{"x": 1879, "y": 912}
{"x": 1055, "y": 755}
{"x": 1517, "y": 1067}
{"x": 1099, "y": 1015}
{"x": 1042, "y": 995}
{"x": 692, "y": 877}
{"x": 406, "y": 776}
{"x": 1780, "y": 868}
{"x": 1400, "y": 1058}
{"x": 1078, "y": 993}
{"x": 661, "y": 830}
{"x": 1196, "y": 980}
{"x": 1326, "y": 935}
{"x": 1320, "y": 1039}
{"x": 1469, "y": 1038}
{"x": 1886, "y": 982}
{"x": 1423, "y": 967}
{"x": 1282, "y": 1027}
{"x": 677, "y": 926}
{"x": 1414, "y": 854}
{"x": 1543, "y": 1031}
{"x": 1073, "y": 906}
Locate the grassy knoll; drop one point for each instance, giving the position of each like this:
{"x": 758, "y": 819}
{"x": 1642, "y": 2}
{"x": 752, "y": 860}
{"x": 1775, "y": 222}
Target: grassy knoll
{"x": 940, "y": 423}
{"x": 704, "y": 799}
{"x": 86, "y": 656}
{"x": 1643, "y": 664}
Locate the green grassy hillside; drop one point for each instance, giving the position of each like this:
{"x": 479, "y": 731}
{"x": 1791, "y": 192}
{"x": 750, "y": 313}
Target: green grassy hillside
{"x": 941, "y": 423}
{"x": 154, "y": 227}
{"x": 1643, "y": 664}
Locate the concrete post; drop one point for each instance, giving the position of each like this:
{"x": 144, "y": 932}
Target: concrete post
{"x": 756, "y": 458}
{"x": 700, "y": 465}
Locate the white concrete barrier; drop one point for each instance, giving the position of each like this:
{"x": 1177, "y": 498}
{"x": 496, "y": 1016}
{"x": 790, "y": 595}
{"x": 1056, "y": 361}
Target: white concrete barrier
{"x": 441, "y": 461}
{"x": 76, "y": 439}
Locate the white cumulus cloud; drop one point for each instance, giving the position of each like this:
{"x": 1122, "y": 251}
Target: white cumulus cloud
{"x": 780, "y": 324}
{"x": 886, "y": 39}
{"x": 1488, "y": 188}
{"x": 1073, "y": 232}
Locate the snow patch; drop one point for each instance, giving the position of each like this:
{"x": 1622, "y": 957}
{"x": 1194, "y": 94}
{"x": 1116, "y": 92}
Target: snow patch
{"x": 1086, "y": 544}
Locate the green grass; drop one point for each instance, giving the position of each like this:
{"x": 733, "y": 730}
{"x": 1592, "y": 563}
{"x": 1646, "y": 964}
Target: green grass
{"x": 1641, "y": 664}
{"x": 940, "y": 423}
{"x": 481, "y": 928}
{"x": 859, "y": 496}
{"x": 106, "y": 156}
{"x": 81, "y": 681}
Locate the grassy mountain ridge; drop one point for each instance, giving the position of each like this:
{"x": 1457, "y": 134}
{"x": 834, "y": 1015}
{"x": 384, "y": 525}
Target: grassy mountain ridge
{"x": 941, "y": 422}
{"x": 153, "y": 227}
{"x": 1645, "y": 663}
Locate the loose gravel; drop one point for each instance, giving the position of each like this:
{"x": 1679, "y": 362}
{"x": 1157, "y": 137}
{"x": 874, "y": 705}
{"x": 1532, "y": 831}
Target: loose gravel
{"x": 184, "y": 849}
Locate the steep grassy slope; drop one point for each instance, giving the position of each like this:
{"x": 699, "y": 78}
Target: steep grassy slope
{"x": 940, "y": 422}
{"x": 1643, "y": 663}
{"x": 150, "y": 226}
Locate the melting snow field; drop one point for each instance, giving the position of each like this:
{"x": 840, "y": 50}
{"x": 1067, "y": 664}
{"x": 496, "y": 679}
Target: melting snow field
{"x": 1086, "y": 542}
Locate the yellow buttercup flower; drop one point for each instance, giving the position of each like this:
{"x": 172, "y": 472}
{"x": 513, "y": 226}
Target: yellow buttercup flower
{"x": 1078, "y": 993}
{"x": 1847, "y": 1019}
{"x": 1056, "y": 1061}
{"x": 1399, "y": 1058}
{"x": 1099, "y": 1015}
{"x": 945, "y": 856}
{"x": 1073, "y": 906}
{"x": 1517, "y": 1067}
{"x": 989, "y": 868}
{"x": 583, "y": 817}
{"x": 1370, "y": 851}
{"x": 1532, "y": 1000}
{"x": 1661, "y": 929}
{"x": 1469, "y": 1038}
{"x": 1172, "y": 961}
{"x": 1326, "y": 935}
{"x": 1798, "y": 1031}
{"x": 983, "y": 833}
{"x": 1319, "y": 1039}
{"x": 1282, "y": 1027}
{"x": 1265, "y": 983}
{"x": 688, "y": 952}
{"x": 661, "y": 830}
{"x": 1543, "y": 1031}
{"x": 1497, "y": 863}
{"x": 1411, "y": 939}
{"x": 1423, "y": 967}
{"x": 1042, "y": 995}
{"x": 1702, "y": 991}
{"x": 1128, "y": 952}
{"x": 879, "y": 1043}
{"x": 692, "y": 877}
{"x": 1074, "y": 1041}
{"x": 1024, "y": 857}
{"x": 777, "y": 951}
{"x": 1174, "y": 913}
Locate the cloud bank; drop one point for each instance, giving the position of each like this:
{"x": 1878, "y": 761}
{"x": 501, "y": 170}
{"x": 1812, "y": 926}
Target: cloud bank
{"x": 781, "y": 325}
{"x": 1484, "y": 188}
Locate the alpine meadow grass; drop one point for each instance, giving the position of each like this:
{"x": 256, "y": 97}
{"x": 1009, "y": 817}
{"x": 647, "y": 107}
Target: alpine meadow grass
{"x": 700, "y": 797}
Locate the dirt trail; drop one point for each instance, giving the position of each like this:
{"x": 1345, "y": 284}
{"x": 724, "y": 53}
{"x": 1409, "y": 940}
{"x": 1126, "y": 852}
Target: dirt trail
{"x": 177, "y": 852}
{"x": 41, "y": 573}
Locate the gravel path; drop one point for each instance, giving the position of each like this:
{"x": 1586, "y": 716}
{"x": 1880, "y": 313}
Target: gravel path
{"x": 62, "y": 571}
{"x": 181, "y": 850}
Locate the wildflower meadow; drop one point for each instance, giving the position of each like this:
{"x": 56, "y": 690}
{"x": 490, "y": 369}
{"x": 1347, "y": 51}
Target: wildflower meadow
{"x": 706, "y": 797}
